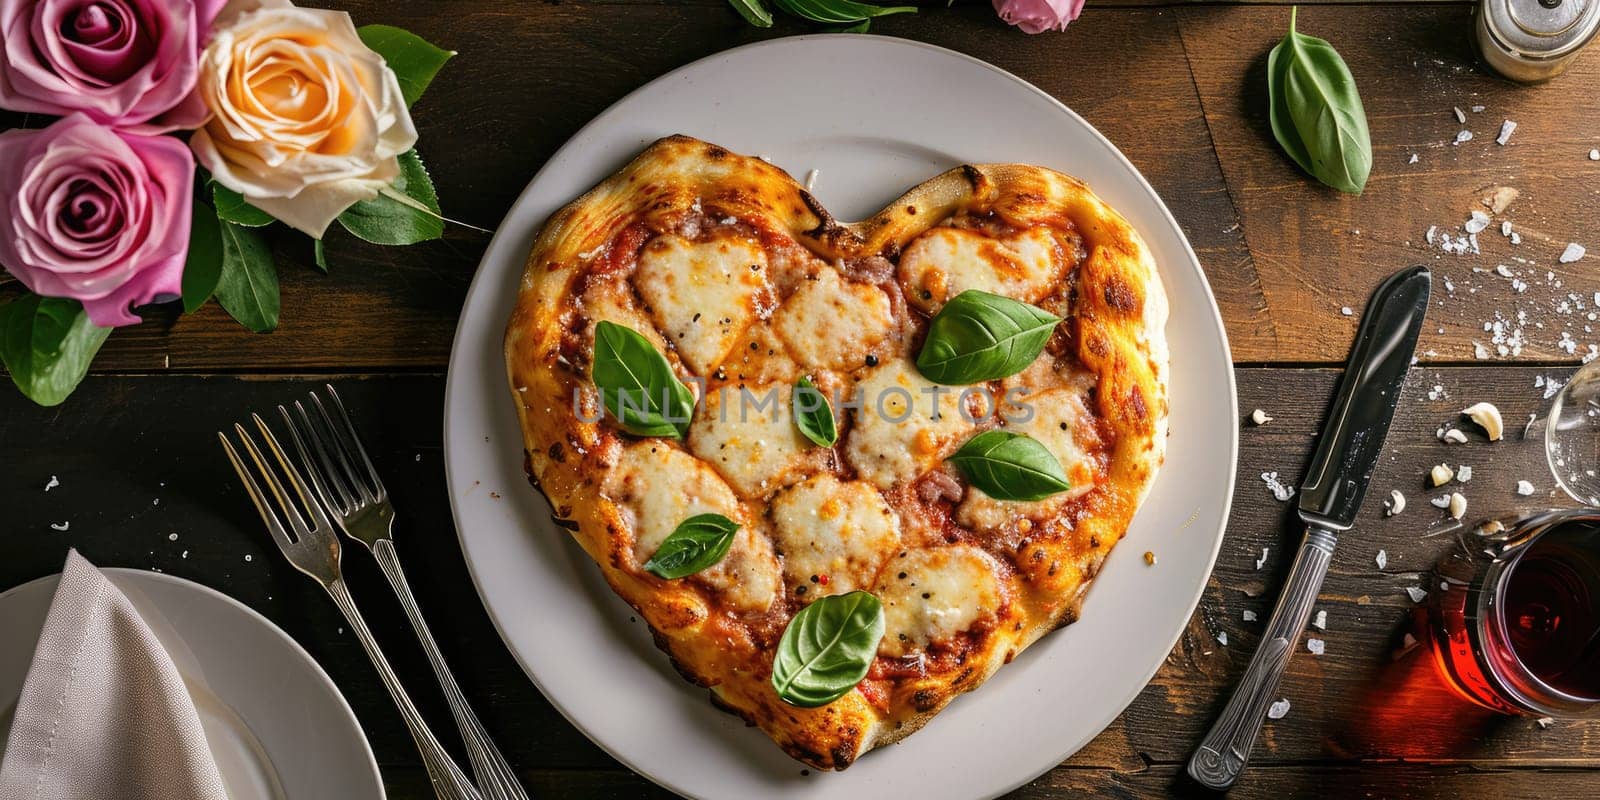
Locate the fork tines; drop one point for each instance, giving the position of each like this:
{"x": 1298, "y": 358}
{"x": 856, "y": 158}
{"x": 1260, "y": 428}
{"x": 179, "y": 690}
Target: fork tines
{"x": 347, "y": 480}
{"x": 308, "y": 540}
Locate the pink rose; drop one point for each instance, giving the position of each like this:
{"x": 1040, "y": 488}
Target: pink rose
{"x": 1038, "y": 16}
{"x": 129, "y": 63}
{"x": 95, "y": 214}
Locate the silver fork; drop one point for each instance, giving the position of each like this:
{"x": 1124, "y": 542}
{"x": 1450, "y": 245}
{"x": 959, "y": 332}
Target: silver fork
{"x": 313, "y": 548}
{"x": 351, "y": 489}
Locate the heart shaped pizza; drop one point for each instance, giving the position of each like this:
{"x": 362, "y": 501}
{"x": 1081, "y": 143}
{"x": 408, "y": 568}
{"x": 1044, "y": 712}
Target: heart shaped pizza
{"x": 844, "y": 471}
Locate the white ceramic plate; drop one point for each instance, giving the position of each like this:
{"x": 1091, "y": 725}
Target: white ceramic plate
{"x": 803, "y": 103}
{"x": 276, "y": 724}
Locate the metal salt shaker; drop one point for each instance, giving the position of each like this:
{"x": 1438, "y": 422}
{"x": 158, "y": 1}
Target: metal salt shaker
{"x": 1534, "y": 40}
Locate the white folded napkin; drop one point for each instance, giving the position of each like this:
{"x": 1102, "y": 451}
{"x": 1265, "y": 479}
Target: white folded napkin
{"x": 104, "y": 714}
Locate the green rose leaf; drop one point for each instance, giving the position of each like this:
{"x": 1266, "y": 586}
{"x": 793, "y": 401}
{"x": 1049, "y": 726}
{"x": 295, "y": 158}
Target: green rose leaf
{"x": 812, "y": 414}
{"x": 840, "y": 12}
{"x": 979, "y": 336}
{"x": 753, "y": 12}
{"x": 319, "y": 256}
{"x": 248, "y": 287}
{"x": 413, "y": 59}
{"x": 696, "y": 544}
{"x": 203, "y": 267}
{"x": 637, "y": 385}
{"x": 1010, "y": 466}
{"x": 406, "y": 213}
{"x": 47, "y": 344}
{"x": 232, "y": 207}
{"x": 827, "y": 649}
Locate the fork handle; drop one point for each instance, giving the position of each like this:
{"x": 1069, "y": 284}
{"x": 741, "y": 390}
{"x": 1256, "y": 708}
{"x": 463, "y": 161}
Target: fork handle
{"x": 1225, "y": 750}
{"x": 449, "y": 782}
{"x": 495, "y": 778}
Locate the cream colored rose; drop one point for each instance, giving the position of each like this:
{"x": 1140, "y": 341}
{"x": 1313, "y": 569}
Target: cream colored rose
{"x": 306, "y": 120}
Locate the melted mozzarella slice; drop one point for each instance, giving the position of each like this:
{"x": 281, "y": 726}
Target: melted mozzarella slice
{"x": 703, "y": 295}
{"x": 831, "y": 323}
{"x": 748, "y": 434}
{"x": 931, "y": 595}
{"x": 840, "y": 532}
{"x": 945, "y": 262}
{"x": 659, "y": 486}
{"x": 1056, "y": 419}
{"x": 904, "y": 424}
{"x": 748, "y": 575}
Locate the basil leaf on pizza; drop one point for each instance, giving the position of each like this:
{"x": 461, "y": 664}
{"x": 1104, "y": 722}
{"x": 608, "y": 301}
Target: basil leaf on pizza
{"x": 637, "y": 385}
{"x": 1010, "y": 466}
{"x": 979, "y": 336}
{"x": 827, "y": 649}
{"x": 812, "y": 414}
{"x": 697, "y": 543}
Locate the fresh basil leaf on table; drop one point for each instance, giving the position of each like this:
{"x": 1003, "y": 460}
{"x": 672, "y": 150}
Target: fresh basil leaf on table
{"x": 827, "y": 649}
{"x": 979, "y": 336}
{"x": 1316, "y": 111}
{"x": 637, "y": 385}
{"x": 1010, "y": 466}
{"x": 812, "y": 414}
{"x": 697, "y": 543}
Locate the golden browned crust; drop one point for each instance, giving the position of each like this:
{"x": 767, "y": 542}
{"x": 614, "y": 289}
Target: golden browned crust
{"x": 1113, "y": 335}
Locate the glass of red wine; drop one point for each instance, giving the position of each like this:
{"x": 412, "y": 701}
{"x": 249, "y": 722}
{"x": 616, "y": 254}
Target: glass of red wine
{"x": 1517, "y": 628}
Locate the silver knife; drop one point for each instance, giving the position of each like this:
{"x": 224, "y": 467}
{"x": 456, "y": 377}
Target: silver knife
{"x": 1330, "y": 496}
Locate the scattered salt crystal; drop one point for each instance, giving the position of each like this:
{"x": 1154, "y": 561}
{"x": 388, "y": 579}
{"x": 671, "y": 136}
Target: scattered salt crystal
{"x": 1506, "y": 128}
{"x": 1464, "y": 473}
{"x": 1460, "y": 117}
{"x": 1279, "y": 709}
{"x": 1347, "y": 311}
{"x": 1505, "y": 228}
{"x": 1382, "y": 559}
{"x": 1478, "y": 222}
{"x": 1413, "y": 159}
{"x": 184, "y": 554}
{"x": 1249, "y": 616}
{"x": 1501, "y": 269}
{"x": 60, "y": 526}
{"x": 1432, "y": 229}
{"x": 1464, "y": 136}
{"x": 172, "y": 537}
{"x": 1454, "y": 435}
{"x": 1280, "y": 491}
{"x": 1477, "y": 109}
{"x": 1320, "y": 621}
{"x": 1545, "y": 722}
{"x": 1222, "y": 638}
{"x": 1573, "y": 252}
{"x": 248, "y": 558}
{"x": 1416, "y": 593}
{"x": 1516, "y": 238}
{"x": 52, "y": 484}
{"x": 1316, "y": 646}
{"x": 1262, "y": 561}
{"x": 1594, "y": 155}
{"x": 1524, "y": 488}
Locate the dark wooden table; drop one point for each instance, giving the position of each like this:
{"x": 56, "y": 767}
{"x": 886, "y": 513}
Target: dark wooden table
{"x": 1180, "y": 88}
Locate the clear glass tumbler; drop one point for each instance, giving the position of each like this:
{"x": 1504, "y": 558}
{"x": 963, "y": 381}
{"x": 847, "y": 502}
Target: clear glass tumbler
{"x": 1517, "y": 628}
{"x": 1570, "y": 434}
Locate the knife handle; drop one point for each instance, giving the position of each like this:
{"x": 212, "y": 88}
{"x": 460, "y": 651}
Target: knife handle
{"x": 1225, "y": 749}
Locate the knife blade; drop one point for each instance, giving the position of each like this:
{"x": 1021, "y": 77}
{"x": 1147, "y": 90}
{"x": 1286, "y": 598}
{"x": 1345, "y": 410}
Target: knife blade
{"x": 1352, "y": 437}
{"x": 1330, "y": 495}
